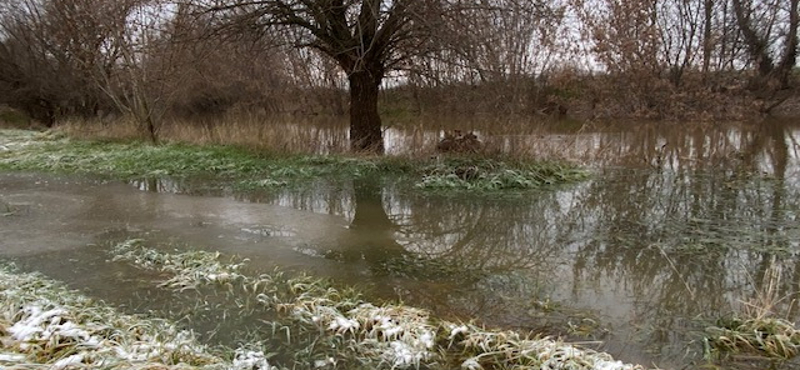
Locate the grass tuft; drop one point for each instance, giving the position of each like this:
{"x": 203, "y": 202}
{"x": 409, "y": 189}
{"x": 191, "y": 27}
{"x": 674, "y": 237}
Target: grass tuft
{"x": 478, "y": 174}
{"x": 757, "y": 329}
{"x": 771, "y": 338}
{"x": 188, "y": 269}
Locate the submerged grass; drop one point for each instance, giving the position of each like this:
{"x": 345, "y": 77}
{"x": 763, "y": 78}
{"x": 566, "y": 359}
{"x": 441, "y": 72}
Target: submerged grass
{"x": 25, "y": 150}
{"x": 44, "y": 324}
{"x": 325, "y": 327}
{"x": 188, "y": 270}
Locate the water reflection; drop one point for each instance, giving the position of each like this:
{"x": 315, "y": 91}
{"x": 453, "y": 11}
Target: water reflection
{"x": 645, "y": 144}
{"x": 684, "y": 232}
{"x": 678, "y": 226}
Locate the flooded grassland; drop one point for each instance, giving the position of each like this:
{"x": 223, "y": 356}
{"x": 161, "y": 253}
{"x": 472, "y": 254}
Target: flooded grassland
{"x": 679, "y": 250}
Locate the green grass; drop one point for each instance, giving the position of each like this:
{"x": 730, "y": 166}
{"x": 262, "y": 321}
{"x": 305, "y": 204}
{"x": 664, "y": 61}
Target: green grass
{"x": 758, "y": 329}
{"x": 489, "y": 175}
{"x": 24, "y": 150}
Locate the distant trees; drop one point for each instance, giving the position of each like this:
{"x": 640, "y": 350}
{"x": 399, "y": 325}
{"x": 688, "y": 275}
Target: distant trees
{"x": 48, "y": 52}
{"x": 83, "y": 57}
{"x": 694, "y": 34}
{"x": 153, "y": 60}
{"x": 711, "y": 44}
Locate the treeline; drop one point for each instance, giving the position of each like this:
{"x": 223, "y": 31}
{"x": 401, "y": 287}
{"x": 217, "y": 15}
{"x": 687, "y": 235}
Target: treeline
{"x": 642, "y": 59}
{"x": 157, "y": 59}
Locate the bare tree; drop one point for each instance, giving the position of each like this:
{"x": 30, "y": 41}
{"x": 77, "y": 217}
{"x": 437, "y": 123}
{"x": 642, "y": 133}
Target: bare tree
{"x": 763, "y": 24}
{"x": 370, "y": 38}
{"x": 142, "y": 81}
{"x": 366, "y": 38}
{"x": 48, "y": 50}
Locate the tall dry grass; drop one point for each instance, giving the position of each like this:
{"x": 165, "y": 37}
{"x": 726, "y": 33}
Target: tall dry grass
{"x": 285, "y": 134}
{"x": 630, "y": 143}
{"x": 412, "y": 137}
{"x": 769, "y": 299}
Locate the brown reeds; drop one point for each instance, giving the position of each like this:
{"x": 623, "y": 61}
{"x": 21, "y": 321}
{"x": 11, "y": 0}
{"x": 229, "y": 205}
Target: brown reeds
{"x": 760, "y": 328}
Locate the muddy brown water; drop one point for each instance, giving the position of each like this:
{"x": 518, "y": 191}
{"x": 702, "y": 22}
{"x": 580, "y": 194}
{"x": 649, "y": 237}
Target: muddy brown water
{"x": 677, "y": 227}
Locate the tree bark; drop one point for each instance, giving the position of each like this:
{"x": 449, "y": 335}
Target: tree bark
{"x": 757, "y": 45}
{"x": 773, "y": 76}
{"x": 365, "y": 122}
{"x": 789, "y": 58}
{"x": 708, "y": 44}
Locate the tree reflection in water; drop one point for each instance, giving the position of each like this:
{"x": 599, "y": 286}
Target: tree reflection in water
{"x": 681, "y": 227}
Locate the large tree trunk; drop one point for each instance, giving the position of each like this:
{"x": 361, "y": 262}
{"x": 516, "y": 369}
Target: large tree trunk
{"x": 790, "y": 51}
{"x": 708, "y": 43}
{"x": 365, "y": 122}
{"x": 757, "y": 45}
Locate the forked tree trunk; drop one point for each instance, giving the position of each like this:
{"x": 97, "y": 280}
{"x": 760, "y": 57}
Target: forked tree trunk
{"x": 365, "y": 122}
{"x": 759, "y": 45}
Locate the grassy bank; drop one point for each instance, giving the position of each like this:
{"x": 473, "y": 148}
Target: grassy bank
{"x": 27, "y": 150}
{"x": 318, "y": 325}
{"x": 45, "y": 325}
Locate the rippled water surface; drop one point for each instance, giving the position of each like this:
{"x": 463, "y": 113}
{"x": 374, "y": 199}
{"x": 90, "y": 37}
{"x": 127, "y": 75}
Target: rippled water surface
{"x": 676, "y": 227}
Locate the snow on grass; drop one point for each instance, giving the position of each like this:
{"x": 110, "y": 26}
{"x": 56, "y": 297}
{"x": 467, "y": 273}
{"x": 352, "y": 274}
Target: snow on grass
{"x": 44, "y": 323}
{"x": 389, "y": 336}
{"x": 188, "y": 269}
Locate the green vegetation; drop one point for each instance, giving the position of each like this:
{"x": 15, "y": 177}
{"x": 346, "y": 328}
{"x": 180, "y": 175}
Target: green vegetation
{"x": 494, "y": 175}
{"x": 188, "y": 270}
{"x": 7, "y": 209}
{"x": 22, "y": 150}
{"x": 771, "y": 338}
{"x": 320, "y": 326}
{"x": 42, "y": 323}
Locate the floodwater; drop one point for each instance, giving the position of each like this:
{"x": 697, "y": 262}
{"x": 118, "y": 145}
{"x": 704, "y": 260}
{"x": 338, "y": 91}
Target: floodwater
{"x": 678, "y": 226}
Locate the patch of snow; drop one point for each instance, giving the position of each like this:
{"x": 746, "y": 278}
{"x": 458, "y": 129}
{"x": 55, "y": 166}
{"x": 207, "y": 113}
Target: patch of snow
{"x": 323, "y": 363}
{"x": 7, "y": 357}
{"x": 343, "y": 325}
{"x": 250, "y": 360}
{"x": 471, "y": 364}
{"x": 458, "y": 330}
{"x": 610, "y": 365}
{"x": 68, "y": 361}
{"x": 34, "y": 325}
{"x": 403, "y": 355}
{"x": 427, "y": 339}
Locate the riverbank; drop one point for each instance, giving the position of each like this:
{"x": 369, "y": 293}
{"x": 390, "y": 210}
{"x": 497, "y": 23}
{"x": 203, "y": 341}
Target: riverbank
{"x": 315, "y": 326}
{"x": 248, "y": 168}
{"x": 42, "y": 323}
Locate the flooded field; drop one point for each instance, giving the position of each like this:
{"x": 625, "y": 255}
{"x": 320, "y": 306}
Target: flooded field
{"x": 676, "y": 228}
